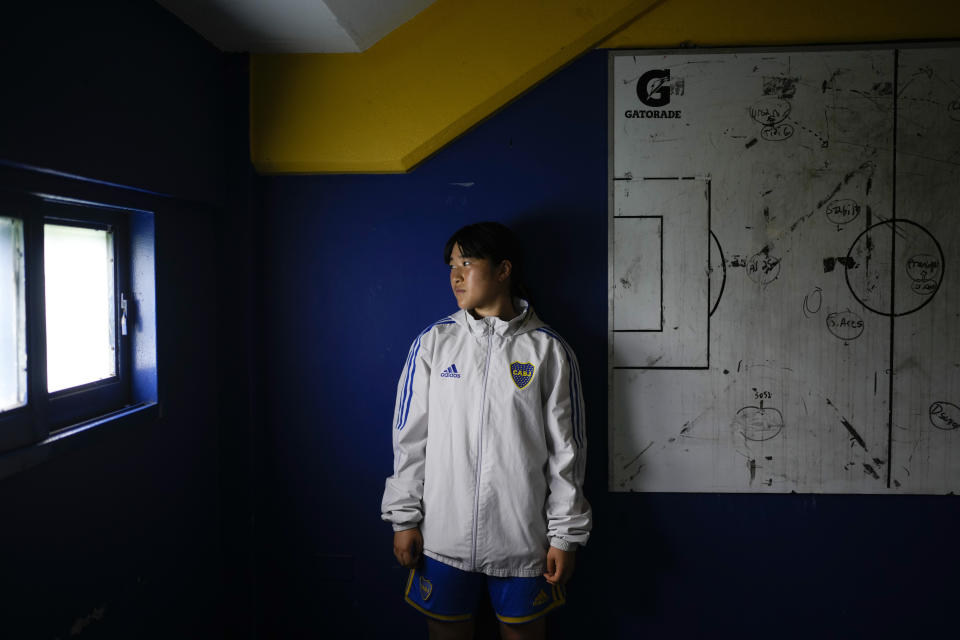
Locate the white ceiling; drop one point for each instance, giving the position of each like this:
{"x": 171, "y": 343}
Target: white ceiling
{"x": 294, "y": 26}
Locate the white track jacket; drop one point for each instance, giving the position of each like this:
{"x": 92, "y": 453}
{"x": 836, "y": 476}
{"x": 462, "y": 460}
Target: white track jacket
{"x": 489, "y": 444}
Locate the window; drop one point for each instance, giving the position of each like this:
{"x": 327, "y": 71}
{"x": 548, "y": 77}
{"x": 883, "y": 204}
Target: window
{"x": 13, "y": 337}
{"x": 79, "y": 296}
{"x": 74, "y": 275}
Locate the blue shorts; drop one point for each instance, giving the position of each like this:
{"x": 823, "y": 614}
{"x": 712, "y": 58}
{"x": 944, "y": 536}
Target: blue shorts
{"x": 449, "y": 594}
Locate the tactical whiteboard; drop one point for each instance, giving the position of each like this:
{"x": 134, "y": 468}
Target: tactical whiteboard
{"x": 784, "y": 231}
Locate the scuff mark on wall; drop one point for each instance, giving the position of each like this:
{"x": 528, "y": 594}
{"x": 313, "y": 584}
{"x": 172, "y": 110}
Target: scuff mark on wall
{"x": 80, "y": 624}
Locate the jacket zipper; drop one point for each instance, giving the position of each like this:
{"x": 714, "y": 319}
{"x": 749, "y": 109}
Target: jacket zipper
{"x": 476, "y": 497}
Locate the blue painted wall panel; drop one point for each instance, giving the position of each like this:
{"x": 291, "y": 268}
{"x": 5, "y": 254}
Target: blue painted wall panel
{"x": 123, "y": 537}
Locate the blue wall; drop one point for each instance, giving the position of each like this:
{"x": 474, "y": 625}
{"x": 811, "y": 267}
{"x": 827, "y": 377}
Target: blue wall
{"x": 352, "y": 272}
{"x": 114, "y": 90}
{"x": 143, "y": 532}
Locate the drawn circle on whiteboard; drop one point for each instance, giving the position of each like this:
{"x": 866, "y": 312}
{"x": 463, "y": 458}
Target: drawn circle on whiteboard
{"x": 923, "y": 267}
{"x": 769, "y": 111}
{"x": 758, "y": 424}
{"x": 718, "y": 264}
{"x": 777, "y": 132}
{"x": 880, "y": 258}
{"x": 924, "y": 287}
{"x": 953, "y": 110}
{"x": 763, "y": 268}
{"x": 842, "y": 211}
{"x": 812, "y": 302}
{"x": 845, "y": 325}
{"x": 945, "y": 416}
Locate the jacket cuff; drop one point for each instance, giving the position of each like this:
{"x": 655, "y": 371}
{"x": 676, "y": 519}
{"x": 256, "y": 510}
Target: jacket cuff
{"x": 563, "y": 545}
{"x": 405, "y": 526}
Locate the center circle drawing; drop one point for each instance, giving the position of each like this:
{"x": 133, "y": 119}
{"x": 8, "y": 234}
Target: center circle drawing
{"x": 718, "y": 265}
{"x": 883, "y": 265}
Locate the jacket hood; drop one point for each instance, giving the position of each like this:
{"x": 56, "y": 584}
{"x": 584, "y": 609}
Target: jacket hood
{"x": 525, "y": 321}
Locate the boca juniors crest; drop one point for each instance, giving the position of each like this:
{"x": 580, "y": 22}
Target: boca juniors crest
{"x": 426, "y": 588}
{"x": 522, "y": 373}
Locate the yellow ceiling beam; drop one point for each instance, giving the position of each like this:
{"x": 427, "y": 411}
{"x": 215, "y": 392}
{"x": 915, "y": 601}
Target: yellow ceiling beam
{"x": 708, "y": 23}
{"x": 424, "y": 84}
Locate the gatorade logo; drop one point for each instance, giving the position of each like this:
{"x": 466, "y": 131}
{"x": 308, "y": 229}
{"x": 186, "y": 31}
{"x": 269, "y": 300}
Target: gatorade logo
{"x": 653, "y": 88}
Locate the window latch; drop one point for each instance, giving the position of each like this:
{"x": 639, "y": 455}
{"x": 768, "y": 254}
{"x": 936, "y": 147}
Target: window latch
{"x": 123, "y": 316}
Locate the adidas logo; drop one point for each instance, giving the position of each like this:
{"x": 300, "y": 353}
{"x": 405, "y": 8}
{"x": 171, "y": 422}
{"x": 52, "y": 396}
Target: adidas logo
{"x": 542, "y": 598}
{"x": 450, "y": 372}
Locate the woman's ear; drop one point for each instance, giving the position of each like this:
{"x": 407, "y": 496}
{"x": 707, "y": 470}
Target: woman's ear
{"x": 504, "y": 270}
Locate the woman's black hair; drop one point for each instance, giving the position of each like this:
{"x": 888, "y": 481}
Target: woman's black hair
{"x": 496, "y": 243}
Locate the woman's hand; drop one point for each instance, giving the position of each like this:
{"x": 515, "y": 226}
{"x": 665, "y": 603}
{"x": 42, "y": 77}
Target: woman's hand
{"x": 559, "y": 565}
{"x": 407, "y": 546}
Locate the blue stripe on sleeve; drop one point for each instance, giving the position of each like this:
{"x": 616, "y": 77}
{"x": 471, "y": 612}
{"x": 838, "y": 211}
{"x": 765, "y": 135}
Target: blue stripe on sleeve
{"x": 408, "y": 390}
{"x": 407, "y": 395}
{"x": 575, "y": 368}
{"x": 574, "y": 384}
{"x": 406, "y": 367}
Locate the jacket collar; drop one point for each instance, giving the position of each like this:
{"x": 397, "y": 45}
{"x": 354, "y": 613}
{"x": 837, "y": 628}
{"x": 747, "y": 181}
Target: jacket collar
{"x": 525, "y": 321}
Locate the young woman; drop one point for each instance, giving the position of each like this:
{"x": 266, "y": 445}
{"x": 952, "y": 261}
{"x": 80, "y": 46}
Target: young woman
{"x": 489, "y": 451}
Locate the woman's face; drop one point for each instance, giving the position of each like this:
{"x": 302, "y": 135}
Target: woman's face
{"x": 476, "y": 283}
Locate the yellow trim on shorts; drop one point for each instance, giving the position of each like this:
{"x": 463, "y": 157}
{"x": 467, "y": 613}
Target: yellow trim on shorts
{"x": 406, "y": 591}
{"x": 437, "y": 616}
{"x": 559, "y": 598}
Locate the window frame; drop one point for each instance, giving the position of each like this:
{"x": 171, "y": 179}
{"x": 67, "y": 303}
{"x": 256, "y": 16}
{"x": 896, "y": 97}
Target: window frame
{"x": 46, "y": 419}
{"x": 73, "y": 404}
